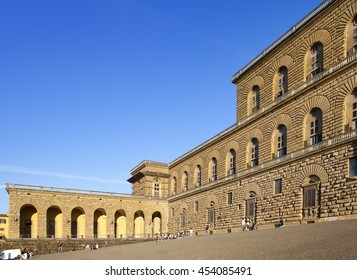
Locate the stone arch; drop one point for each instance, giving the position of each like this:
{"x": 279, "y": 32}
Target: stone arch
{"x": 173, "y": 188}
{"x": 320, "y": 102}
{"x": 232, "y": 145}
{"x": 211, "y": 198}
{"x": 310, "y": 170}
{"x": 183, "y": 206}
{"x": 100, "y": 223}
{"x": 343, "y": 97}
{"x": 254, "y": 133}
{"x": 120, "y": 224}
{"x": 185, "y": 170}
{"x": 251, "y": 187}
{"x": 213, "y": 155}
{"x": 197, "y": 162}
{"x": 54, "y": 223}
{"x": 284, "y": 119}
{"x": 272, "y": 75}
{"x": 348, "y": 111}
{"x": 139, "y": 224}
{"x": 319, "y": 36}
{"x": 156, "y": 220}
{"x": 77, "y": 222}
{"x": 256, "y": 81}
{"x": 216, "y": 154}
{"x": 343, "y": 24}
{"x": 345, "y": 90}
{"x": 322, "y": 36}
{"x": 28, "y": 221}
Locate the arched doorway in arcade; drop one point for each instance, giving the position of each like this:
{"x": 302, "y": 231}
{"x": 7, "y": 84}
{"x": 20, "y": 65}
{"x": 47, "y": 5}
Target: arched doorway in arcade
{"x": 28, "y": 221}
{"x": 77, "y": 223}
{"x": 120, "y": 224}
{"x": 54, "y": 222}
{"x": 156, "y": 223}
{"x": 139, "y": 224}
{"x": 100, "y": 224}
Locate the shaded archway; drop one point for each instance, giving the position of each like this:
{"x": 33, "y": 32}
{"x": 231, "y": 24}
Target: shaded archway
{"x": 28, "y": 221}
{"x": 100, "y": 224}
{"x": 54, "y": 222}
{"x": 139, "y": 224}
{"x": 156, "y": 223}
{"x": 77, "y": 223}
{"x": 120, "y": 224}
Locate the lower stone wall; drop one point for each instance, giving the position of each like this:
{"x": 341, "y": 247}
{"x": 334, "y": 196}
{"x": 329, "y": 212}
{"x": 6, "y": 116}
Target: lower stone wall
{"x": 336, "y": 195}
{"x": 49, "y": 246}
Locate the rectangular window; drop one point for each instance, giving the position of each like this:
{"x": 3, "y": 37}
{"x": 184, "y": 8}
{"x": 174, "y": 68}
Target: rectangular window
{"x": 353, "y": 167}
{"x": 315, "y": 135}
{"x": 309, "y": 197}
{"x": 354, "y": 115}
{"x": 183, "y": 220}
{"x": 281, "y": 146}
{"x": 214, "y": 172}
{"x": 198, "y": 177}
{"x": 254, "y": 160}
{"x": 196, "y": 206}
{"x": 278, "y": 186}
{"x": 2, "y": 221}
{"x": 229, "y": 198}
{"x": 172, "y": 212}
{"x": 2, "y": 229}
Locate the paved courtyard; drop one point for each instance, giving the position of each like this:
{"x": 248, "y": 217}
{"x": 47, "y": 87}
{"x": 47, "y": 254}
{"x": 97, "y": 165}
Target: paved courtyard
{"x": 321, "y": 241}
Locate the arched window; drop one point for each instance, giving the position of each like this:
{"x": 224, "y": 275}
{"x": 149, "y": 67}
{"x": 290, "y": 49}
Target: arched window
{"x": 281, "y": 136}
{"x": 314, "y": 61}
{"x": 174, "y": 186}
{"x": 232, "y": 162}
{"x": 253, "y": 152}
{"x": 352, "y": 37}
{"x": 255, "y": 99}
{"x": 185, "y": 181}
{"x": 314, "y": 126}
{"x": 282, "y": 82}
{"x": 351, "y": 112}
{"x": 198, "y": 174}
{"x": 214, "y": 170}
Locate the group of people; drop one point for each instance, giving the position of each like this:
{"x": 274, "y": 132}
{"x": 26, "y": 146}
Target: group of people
{"x": 249, "y": 225}
{"x": 26, "y": 255}
{"x": 95, "y": 246}
{"x": 180, "y": 234}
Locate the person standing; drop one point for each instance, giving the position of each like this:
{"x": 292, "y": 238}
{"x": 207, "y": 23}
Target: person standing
{"x": 60, "y": 247}
{"x": 243, "y": 225}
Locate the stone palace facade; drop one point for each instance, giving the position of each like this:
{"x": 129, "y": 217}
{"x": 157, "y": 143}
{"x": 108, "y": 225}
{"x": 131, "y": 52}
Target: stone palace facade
{"x": 291, "y": 154}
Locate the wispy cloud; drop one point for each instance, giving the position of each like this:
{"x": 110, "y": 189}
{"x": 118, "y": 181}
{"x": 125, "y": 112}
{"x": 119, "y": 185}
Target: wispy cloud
{"x": 65, "y": 176}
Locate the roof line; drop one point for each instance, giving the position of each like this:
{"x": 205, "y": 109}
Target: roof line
{"x": 282, "y": 38}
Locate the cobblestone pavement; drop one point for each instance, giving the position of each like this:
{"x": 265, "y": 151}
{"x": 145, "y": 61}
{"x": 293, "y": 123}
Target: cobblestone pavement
{"x": 321, "y": 241}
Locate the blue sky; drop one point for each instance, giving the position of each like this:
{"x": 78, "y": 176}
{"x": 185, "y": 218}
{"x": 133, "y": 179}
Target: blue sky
{"x": 90, "y": 88}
